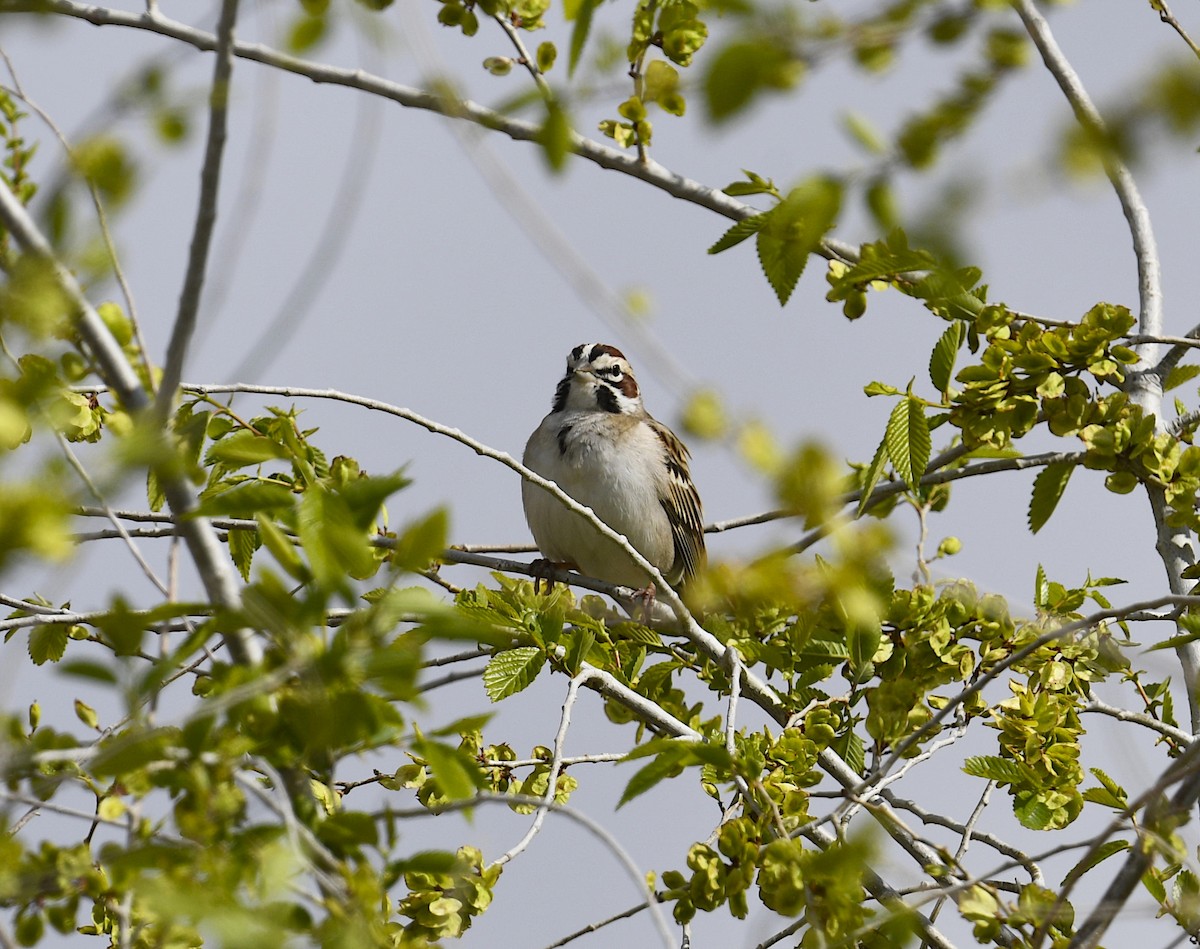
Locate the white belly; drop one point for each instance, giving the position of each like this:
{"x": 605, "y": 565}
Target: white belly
{"x": 621, "y": 487}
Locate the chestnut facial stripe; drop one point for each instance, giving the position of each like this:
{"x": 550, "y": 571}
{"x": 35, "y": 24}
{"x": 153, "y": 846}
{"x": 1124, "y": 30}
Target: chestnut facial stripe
{"x": 628, "y": 386}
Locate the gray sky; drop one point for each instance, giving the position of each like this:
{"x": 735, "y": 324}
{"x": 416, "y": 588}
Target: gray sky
{"x": 434, "y": 298}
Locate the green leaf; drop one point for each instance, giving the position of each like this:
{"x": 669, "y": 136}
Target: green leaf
{"x": 580, "y": 645}
{"x": 738, "y": 233}
{"x": 742, "y": 70}
{"x": 754, "y": 184}
{"x": 243, "y": 448}
{"x": 422, "y": 541}
{"x": 555, "y": 135}
{"x": 1109, "y": 794}
{"x": 282, "y": 549}
{"x": 154, "y": 492}
{"x": 860, "y": 128}
{"x": 941, "y": 360}
{"x": 511, "y": 671}
{"x": 456, "y": 773}
{"x": 1098, "y": 856}
{"x": 1179, "y": 375}
{"x": 1048, "y": 489}
{"x": 242, "y": 545}
{"x": 1041, "y": 588}
{"x": 1154, "y": 885}
{"x": 871, "y": 476}
{"x": 86, "y": 714}
{"x": 247, "y": 499}
{"x": 365, "y": 496}
{"x": 994, "y": 769}
{"x": 48, "y": 643}
{"x": 907, "y": 440}
{"x": 334, "y": 543}
{"x": 793, "y": 229}
{"x": 579, "y": 35}
{"x": 306, "y": 32}
{"x": 666, "y": 764}
{"x": 862, "y": 642}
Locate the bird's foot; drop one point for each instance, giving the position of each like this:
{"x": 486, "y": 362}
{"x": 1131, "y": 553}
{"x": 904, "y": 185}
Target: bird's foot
{"x": 543, "y": 571}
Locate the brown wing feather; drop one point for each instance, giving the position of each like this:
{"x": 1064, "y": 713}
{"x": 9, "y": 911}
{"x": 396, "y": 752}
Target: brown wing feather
{"x": 681, "y": 501}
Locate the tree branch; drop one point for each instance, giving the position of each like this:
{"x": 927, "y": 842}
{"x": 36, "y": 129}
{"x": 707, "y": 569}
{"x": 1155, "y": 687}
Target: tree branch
{"x": 650, "y": 172}
{"x": 206, "y": 213}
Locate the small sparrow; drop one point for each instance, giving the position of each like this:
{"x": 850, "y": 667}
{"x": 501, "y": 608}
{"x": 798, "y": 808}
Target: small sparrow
{"x": 603, "y": 449}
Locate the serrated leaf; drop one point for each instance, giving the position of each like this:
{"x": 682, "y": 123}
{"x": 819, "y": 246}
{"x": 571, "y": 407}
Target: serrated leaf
{"x": 242, "y": 545}
{"x": 907, "y": 440}
{"x": 862, "y": 641}
{"x": 1048, "y": 489}
{"x": 872, "y": 475}
{"x": 941, "y": 360}
{"x": 994, "y": 769}
{"x": 1098, "y": 856}
{"x": 512, "y": 670}
{"x": 243, "y": 448}
{"x": 1035, "y": 815}
{"x": 1179, "y": 375}
{"x": 48, "y": 643}
{"x": 154, "y": 492}
{"x": 793, "y": 229}
{"x": 1041, "y": 587}
{"x": 1174, "y": 642}
{"x": 247, "y": 499}
{"x": 850, "y": 749}
{"x": 666, "y": 764}
{"x": 744, "y": 228}
{"x": 1109, "y": 784}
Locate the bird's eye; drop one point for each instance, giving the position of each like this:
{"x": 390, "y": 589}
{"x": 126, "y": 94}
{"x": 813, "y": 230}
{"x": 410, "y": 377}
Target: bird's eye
{"x": 613, "y": 372}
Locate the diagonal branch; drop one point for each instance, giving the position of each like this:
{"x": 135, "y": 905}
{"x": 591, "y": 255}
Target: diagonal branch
{"x": 206, "y": 213}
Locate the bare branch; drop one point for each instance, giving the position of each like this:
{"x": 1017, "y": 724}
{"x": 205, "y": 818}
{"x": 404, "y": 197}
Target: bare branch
{"x": 596, "y": 927}
{"x": 1149, "y": 276}
{"x": 206, "y": 214}
{"x": 556, "y": 764}
{"x": 1124, "y": 715}
{"x": 650, "y": 172}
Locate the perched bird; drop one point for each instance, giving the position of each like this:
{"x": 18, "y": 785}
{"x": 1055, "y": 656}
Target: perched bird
{"x": 603, "y": 449}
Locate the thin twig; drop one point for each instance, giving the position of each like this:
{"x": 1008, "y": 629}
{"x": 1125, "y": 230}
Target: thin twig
{"x": 1165, "y": 14}
{"x": 596, "y": 927}
{"x": 556, "y": 765}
